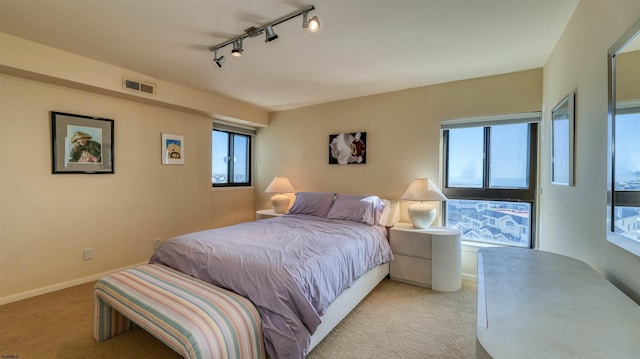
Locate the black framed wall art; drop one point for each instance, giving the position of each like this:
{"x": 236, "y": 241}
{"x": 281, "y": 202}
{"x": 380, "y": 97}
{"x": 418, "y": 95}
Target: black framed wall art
{"x": 348, "y": 148}
{"x": 81, "y": 144}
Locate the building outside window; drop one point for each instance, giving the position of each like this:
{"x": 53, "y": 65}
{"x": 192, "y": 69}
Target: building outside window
{"x": 490, "y": 178}
{"x": 230, "y": 156}
{"x": 627, "y": 173}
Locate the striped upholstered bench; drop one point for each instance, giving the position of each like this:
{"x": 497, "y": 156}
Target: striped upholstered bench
{"x": 194, "y": 318}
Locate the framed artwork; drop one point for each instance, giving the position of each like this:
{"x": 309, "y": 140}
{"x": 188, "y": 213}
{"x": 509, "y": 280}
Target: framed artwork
{"x": 81, "y": 144}
{"x": 348, "y": 148}
{"x": 172, "y": 149}
{"x": 562, "y": 141}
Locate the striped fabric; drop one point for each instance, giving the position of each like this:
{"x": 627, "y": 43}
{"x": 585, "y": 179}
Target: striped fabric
{"x": 194, "y": 318}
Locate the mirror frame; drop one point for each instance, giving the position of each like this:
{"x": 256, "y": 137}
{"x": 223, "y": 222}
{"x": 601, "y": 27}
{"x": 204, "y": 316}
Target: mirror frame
{"x": 617, "y": 239}
{"x": 566, "y": 107}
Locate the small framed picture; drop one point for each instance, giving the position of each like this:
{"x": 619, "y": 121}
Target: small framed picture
{"x": 81, "y": 144}
{"x": 172, "y": 149}
{"x": 562, "y": 141}
{"x": 348, "y": 148}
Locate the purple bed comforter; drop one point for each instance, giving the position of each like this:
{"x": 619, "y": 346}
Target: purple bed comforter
{"x": 291, "y": 267}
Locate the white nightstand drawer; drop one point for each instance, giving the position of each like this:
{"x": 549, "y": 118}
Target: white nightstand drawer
{"x": 416, "y": 270}
{"x": 415, "y": 244}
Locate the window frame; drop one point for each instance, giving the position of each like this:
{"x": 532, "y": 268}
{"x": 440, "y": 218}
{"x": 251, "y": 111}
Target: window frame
{"x": 624, "y": 198}
{"x": 612, "y": 197}
{"x": 228, "y": 130}
{"x": 487, "y": 193}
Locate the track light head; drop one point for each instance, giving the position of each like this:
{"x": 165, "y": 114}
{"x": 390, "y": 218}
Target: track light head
{"x": 314, "y": 24}
{"x": 218, "y": 60}
{"x": 270, "y": 35}
{"x": 237, "y": 48}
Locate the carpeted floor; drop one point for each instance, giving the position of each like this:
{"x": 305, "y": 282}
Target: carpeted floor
{"x": 396, "y": 320}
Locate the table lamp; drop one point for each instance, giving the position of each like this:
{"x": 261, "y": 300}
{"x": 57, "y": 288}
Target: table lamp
{"x": 280, "y": 201}
{"x": 422, "y": 189}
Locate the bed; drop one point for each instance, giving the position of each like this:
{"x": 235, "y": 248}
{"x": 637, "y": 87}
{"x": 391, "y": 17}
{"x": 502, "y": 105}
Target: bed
{"x": 303, "y": 271}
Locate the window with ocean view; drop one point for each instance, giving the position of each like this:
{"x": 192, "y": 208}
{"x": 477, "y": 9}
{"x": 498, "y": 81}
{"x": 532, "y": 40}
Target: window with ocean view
{"x": 489, "y": 178}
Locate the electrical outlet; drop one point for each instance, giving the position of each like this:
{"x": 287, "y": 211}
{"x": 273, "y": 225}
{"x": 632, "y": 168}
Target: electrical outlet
{"x": 87, "y": 254}
{"x": 156, "y": 243}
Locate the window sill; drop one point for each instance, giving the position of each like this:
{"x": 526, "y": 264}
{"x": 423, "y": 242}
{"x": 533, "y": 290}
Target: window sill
{"x": 231, "y": 188}
{"x": 475, "y": 246}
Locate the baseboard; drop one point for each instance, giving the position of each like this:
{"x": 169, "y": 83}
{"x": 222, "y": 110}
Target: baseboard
{"x": 470, "y": 277}
{"x": 59, "y": 286}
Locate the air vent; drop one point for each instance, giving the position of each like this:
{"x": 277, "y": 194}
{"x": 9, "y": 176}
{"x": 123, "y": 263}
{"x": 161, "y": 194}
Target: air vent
{"x": 139, "y": 86}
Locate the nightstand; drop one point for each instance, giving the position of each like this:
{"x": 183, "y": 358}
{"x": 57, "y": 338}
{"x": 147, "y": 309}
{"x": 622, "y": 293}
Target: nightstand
{"x": 428, "y": 257}
{"x": 267, "y": 213}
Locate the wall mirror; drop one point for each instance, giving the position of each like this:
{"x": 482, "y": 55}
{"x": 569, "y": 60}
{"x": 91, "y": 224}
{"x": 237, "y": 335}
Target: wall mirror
{"x": 623, "y": 168}
{"x": 562, "y": 124}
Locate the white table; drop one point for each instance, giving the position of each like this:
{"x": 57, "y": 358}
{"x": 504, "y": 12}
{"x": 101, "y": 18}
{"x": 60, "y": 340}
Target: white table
{"x": 267, "y": 213}
{"x": 429, "y": 257}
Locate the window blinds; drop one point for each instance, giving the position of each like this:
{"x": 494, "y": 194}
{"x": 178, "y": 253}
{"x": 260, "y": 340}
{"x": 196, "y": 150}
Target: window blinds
{"x": 526, "y": 117}
{"x": 234, "y": 129}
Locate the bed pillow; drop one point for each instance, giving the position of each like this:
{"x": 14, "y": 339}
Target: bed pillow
{"x": 390, "y": 215}
{"x": 312, "y": 203}
{"x": 362, "y": 209}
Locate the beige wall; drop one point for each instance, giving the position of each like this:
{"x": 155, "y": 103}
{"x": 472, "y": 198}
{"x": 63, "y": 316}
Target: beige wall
{"x": 28, "y": 59}
{"x": 44, "y": 223}
{"x": 573, "y": 218}
{"x": 47, "y": 220}
{"x": 628, "y": 76}
{"x": 403, "y": 136}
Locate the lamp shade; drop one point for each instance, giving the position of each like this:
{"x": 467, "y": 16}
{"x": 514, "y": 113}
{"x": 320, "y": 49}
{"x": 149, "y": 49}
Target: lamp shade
{"x": 422, "y": 189}
{"x": 280, "y": 185}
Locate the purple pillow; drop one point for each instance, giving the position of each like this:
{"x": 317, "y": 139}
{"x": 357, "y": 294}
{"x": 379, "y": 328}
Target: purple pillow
{"x": 312, "y": 203}
{"x": 362, "y": 209}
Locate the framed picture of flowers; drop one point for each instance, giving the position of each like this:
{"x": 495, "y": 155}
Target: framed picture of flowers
{"x": 348, "y": 148}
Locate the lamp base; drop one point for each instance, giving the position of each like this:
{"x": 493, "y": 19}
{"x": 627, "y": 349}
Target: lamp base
{"x": 422, "y": 215}
{"x": 280, "y": 203}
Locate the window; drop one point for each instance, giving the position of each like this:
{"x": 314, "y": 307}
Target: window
{"x": 230, "y": 156}
{"x": 626, "y": 217}
{"x": 490, "y": 178}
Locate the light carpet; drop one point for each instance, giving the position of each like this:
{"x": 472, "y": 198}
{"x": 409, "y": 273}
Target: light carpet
{"x": 396, "y": 320}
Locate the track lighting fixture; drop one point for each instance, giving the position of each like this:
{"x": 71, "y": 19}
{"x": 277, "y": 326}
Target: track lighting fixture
{"x": 312, "y": 24}
{"x": 237, "y": 48}
{"x": 270, "y": 35}
{"x": 218, "y": 60}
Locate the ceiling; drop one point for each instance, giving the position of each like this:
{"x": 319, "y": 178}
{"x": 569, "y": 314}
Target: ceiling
{"x": 363, "y": 47}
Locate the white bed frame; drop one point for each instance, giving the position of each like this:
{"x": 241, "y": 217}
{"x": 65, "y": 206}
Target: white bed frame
{"x": 348, "y": 300}
{"x": 351, "y": 297}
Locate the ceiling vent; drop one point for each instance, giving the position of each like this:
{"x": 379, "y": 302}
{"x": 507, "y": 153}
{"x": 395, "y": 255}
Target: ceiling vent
{"x": 139, "y": 86}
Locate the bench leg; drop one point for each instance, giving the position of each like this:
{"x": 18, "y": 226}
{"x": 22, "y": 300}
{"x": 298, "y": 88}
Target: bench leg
{"x": 108, "y": 322}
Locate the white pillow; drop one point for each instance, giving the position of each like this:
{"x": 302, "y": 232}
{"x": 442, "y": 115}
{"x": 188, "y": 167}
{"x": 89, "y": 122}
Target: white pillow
{"x": 390, "y": 215}
{"x": 362, "y": 209}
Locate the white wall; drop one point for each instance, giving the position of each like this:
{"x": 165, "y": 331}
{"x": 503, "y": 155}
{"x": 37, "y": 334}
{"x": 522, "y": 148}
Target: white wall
{"x": 573, "y": 218}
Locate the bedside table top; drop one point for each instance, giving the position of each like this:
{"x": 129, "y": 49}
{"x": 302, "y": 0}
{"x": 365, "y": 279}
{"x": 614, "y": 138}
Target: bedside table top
{"x": 408, "y": 227}
{"x": 269, "y": 212}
